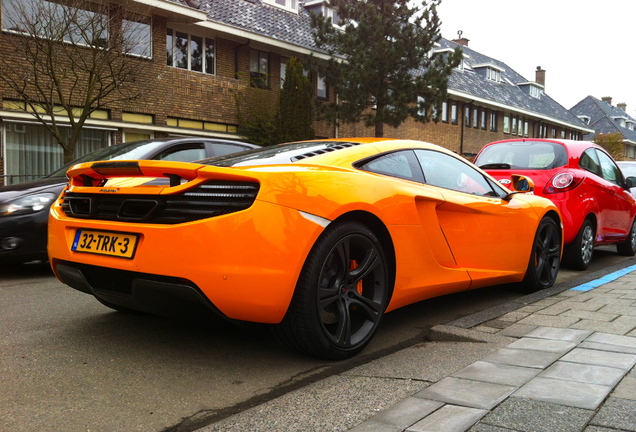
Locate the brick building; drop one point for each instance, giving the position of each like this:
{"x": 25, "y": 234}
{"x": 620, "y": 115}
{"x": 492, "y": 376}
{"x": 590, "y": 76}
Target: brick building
{"x": 224, "y": 60}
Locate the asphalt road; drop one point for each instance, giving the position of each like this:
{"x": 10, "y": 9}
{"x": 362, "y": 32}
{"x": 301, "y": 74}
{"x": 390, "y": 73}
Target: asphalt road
{"x": 67, "y": 363}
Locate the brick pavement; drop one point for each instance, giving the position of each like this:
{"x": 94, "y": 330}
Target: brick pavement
{"x": 571, "y": 369}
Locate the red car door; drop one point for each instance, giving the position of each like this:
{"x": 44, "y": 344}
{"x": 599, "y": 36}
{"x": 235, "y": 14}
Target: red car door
{"x": 616, "y": 204}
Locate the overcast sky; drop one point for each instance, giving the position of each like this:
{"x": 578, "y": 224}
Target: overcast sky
{"x": 585, "y": 46}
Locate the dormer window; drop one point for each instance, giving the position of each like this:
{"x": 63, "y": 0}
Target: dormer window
{"x": 320, "y": 8}
{"x": 445, "y": 52}
{"x": 621, "y": 121}
{"x": 585, "y": 119}
{"x": 290, "y": 5}
{"x": 493, "y": 75}
{"x": 490, "y": 71}
{"x": 533, "y": 89}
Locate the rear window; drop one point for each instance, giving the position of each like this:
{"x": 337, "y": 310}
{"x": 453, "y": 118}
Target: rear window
{"x": 535, "y": 155}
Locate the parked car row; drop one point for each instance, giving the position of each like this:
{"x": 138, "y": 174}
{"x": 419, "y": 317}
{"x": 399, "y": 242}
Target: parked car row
{"x": 24, "y": 206}
{"x": 340, "y": 231}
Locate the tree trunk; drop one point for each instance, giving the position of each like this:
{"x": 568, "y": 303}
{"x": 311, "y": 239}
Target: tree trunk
{"x": 379, "y": 124}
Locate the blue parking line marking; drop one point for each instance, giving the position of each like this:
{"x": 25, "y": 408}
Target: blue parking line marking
{"x": 605, "y": 279}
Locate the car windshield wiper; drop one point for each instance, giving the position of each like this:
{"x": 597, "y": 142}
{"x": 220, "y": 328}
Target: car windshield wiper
{"x": 495, "y": 166}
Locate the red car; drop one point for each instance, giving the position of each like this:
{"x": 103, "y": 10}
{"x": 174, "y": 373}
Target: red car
{"x": 582, "y": 180}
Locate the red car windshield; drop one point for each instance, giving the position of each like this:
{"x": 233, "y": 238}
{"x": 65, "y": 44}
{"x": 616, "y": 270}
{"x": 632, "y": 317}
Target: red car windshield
{"x": 522, "y": 155}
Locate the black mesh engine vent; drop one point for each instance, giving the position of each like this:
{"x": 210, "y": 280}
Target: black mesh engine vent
{"x": 329, "y": 148}
{"x": 213, "y": 198}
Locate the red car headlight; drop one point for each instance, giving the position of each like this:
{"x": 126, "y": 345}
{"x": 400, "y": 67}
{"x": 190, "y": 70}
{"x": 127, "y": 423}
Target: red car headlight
{"x": 562, "y": 182}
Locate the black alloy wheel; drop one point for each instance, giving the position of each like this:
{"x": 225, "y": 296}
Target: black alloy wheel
{"x": 545, "y": 257}
{"x": 578, "y": 254}
{"x": 341, "y": 294}
{"x": 628, "y": 247}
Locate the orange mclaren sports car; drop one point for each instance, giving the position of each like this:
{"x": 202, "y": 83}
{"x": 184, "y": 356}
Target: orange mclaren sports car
{"x": 317, "y": 238}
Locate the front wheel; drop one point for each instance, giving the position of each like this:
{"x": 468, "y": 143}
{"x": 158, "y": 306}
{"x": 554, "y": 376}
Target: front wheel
{"x": 545, "y": 258}
{"x": 340, "y": 296}
{"x": 578, "y": 254}
{"x": 628, "y": 247}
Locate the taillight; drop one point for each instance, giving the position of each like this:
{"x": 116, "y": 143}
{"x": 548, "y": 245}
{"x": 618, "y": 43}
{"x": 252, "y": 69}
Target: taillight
{"x": 562, "y": 182}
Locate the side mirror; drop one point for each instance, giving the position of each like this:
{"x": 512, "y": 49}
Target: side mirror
{"x": 524, "y": 184}
{"x": 630, "y": 182}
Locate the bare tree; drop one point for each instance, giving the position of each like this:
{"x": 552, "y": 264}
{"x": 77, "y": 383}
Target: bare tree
{"x": 67, "y": 59}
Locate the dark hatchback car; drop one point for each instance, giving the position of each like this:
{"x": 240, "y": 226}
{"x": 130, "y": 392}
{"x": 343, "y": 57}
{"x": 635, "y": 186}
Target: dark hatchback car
{"x": 24, "y": 206}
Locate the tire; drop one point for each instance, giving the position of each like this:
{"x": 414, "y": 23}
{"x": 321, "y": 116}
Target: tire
{"x": 578, "y": 254}
{"x": 628, "y": 247}
{"x": 545, "y": 258}
{"x": 341, "y": 294}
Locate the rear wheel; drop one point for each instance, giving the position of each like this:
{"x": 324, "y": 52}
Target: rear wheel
{"x": 545, "y": 258}
{"x": 628, "y": 247}
{"x": 340, "y": 296}
{"x": 578, "y": 254}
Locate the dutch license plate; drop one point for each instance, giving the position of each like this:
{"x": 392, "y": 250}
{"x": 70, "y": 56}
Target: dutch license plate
{"x": 105, "y": 243}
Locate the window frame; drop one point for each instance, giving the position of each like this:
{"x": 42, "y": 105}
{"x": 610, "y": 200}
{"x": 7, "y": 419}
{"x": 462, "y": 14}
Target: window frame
{"x": 493, "y": 120}
{"x": 288, "y": 5}
{"x": 445, "y": 111}
{"x": 325, "y": 87}
{"x": 142, "y": 21}
{"x": 173, "y": 35}
{"x": 259, "y": 79}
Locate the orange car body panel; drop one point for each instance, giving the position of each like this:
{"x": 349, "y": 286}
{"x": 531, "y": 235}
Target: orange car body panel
{"x": 247, "y": 263}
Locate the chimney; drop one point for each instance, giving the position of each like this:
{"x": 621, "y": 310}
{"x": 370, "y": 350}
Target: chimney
{"x": 622, "y": 106}
{"x": 607, "y": 99}
{"x": 461, "y": 40}
{"x": 540, "y": 76}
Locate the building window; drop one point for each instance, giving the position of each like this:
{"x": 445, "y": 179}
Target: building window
{"x": 321, "y": 88}
{"x": 535, "y": 91}
{"x": 137, "y": 38}
{"x": 493, "y": 75}
{"x": 493, "y": 121}
{"x": 514, "y": 126}
{"x": 185, "y": 51}
{"x": 506, "y": 124}
{"x": 259, "y": 69}
{"x": 475, "y": 117}
{"x": 454, "y": 112}
{"x": 73, "y": 25}
{"x": 31, "y": 151}
{"x": 554, "y": 133}
{"x": 526, "y": 128}
{"x": 283, "y": 70}
{"x": 445, "y": 112}
{"x": 291, "y": 5}
{"x": 483, "y": 119}
{"x": 198, "y": 124}
{"x": 467, "y": 116}
{"x": 420, "y": 111}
